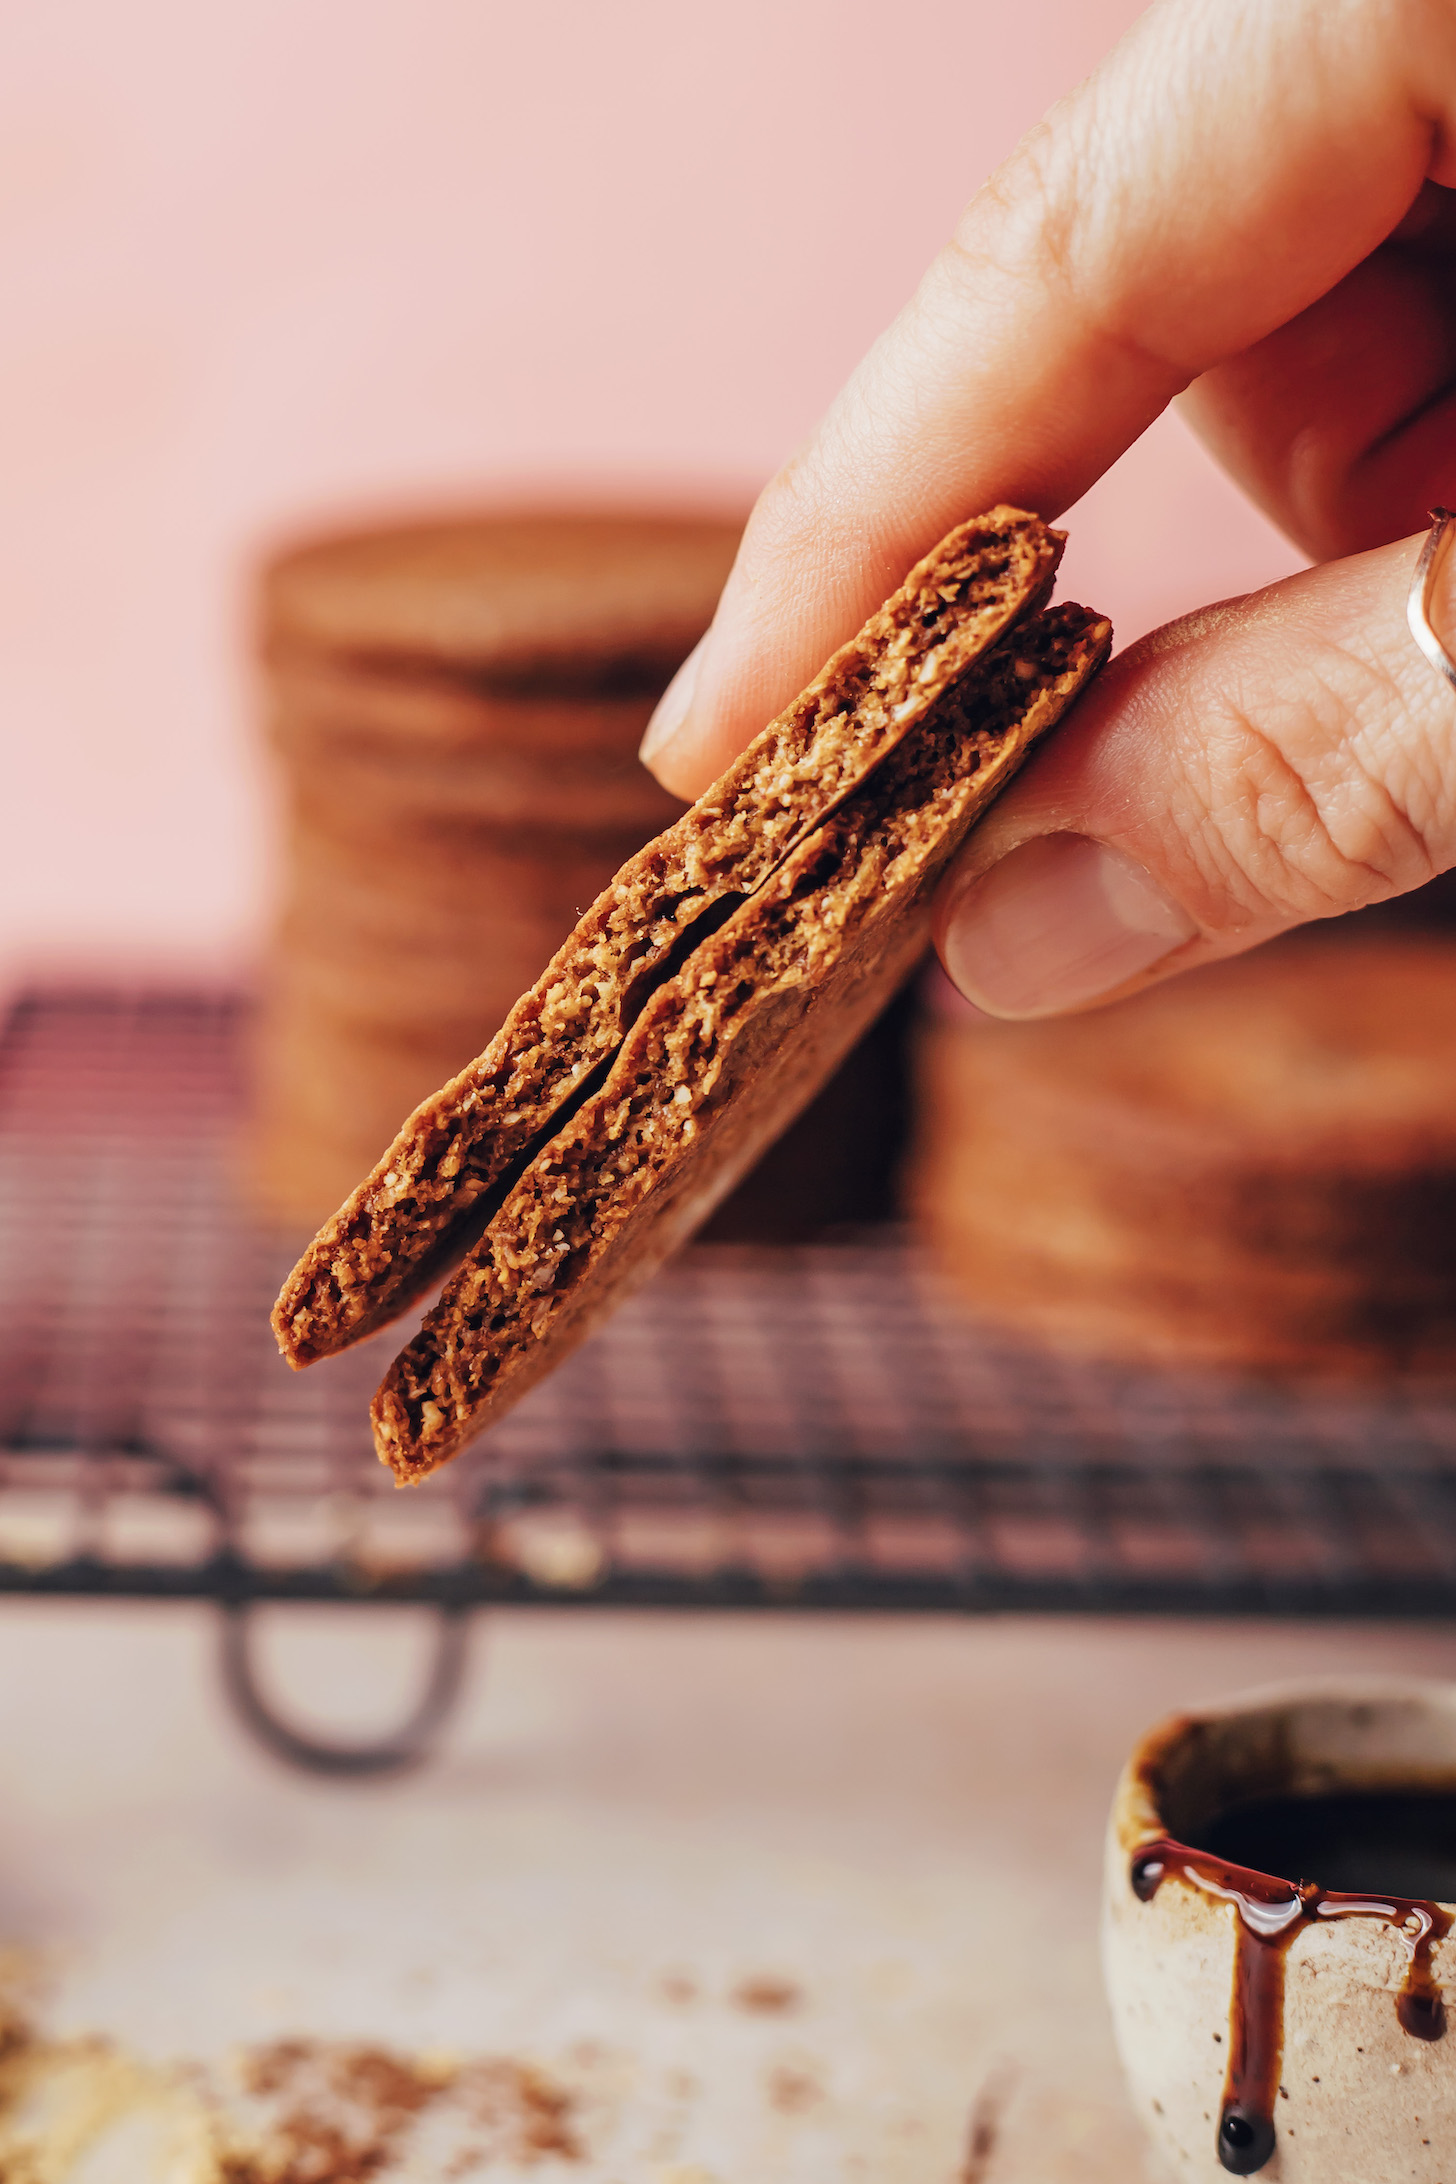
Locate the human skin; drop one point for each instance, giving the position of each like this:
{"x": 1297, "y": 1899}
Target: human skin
{"x": 1248, "y": 208}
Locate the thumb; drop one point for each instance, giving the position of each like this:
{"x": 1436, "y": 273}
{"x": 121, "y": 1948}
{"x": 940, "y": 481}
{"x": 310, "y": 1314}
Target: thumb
{"x": 1276, "y": 759}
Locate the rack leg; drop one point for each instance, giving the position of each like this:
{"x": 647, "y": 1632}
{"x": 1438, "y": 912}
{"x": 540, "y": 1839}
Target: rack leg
{"x": 402, "y": 1748}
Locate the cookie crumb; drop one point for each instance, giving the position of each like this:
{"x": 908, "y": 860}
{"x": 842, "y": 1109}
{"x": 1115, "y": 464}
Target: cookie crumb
{"x": 766, "y": 1995}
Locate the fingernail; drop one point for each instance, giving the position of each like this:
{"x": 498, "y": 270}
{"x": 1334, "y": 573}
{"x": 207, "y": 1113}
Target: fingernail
{"x": 1057, "y": 923}
{"x": 672, "y": 707}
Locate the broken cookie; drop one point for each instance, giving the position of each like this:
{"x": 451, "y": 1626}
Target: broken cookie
{"x": 445, "y": 1175}
{"x": 725, "y": 1053}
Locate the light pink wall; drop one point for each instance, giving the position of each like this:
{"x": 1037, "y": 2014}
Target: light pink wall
{"x": 266, "y": 258}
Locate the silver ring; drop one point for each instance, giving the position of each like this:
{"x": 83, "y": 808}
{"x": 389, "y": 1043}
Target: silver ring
{"x": 1423, "y": 583}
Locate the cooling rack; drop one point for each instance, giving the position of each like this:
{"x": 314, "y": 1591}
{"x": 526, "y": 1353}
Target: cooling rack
{"x": 815, "y": 1428}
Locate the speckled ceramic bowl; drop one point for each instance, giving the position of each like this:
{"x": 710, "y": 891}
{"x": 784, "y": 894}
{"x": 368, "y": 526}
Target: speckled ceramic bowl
{"x": 1269, "y": 2025}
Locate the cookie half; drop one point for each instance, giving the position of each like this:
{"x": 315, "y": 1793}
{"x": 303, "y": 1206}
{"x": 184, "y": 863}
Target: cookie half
{"x": 725, "y": 1053}
{"x": 430, "y": 1194}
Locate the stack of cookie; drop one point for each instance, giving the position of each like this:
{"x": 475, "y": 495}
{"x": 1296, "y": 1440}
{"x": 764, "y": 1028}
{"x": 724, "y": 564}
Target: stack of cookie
{"x": 1253, "y": 1166}
{"x": 457, "y": 708}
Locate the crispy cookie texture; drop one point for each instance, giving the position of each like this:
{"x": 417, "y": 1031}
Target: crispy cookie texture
{"x": 425, "y": 1201}
{"x": 725, "y": 1053}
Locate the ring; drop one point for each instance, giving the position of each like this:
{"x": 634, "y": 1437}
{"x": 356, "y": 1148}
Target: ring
{"x": 1423, "y": 583}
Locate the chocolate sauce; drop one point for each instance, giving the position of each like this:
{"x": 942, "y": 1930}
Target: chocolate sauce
{"x": 1271, "y": 1911}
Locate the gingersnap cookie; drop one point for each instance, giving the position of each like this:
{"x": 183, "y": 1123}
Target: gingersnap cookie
{"x": 415, "y": 1213}
{"x": 317, "y": 702}
{"x": 725, "y": 1053}
{"x": 569, "y": 604}
{"x": 1253, "y": 1166}
{"x": 461, "y": 872}
{"x": 387, "y": 749}
{"x": 409, "y": 986}
{"x": 369, "y": 786}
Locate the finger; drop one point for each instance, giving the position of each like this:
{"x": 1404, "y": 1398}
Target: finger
{"x": 1224, "y": 168}
{"x": 1281, "y": 758}
{"x": 1342, "y": 424}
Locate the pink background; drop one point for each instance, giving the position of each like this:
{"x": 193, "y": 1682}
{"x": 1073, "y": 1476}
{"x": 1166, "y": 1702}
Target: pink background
{"x": 269, "y": 261}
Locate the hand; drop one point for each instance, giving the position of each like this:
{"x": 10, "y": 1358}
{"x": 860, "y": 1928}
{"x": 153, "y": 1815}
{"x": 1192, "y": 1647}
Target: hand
{"x": 1249, "y": 206}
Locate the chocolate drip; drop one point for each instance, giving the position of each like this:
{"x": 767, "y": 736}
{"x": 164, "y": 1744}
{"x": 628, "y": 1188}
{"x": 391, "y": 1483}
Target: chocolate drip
{"x": 1420, "y": 2005}
{"x": 1270, "y": 1912}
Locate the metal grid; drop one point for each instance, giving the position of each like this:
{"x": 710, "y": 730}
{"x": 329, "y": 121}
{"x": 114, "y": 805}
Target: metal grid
{"x": 817, "y": 1427}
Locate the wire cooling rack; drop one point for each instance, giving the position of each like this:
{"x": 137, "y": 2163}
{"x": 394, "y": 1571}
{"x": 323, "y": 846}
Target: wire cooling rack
{"x": 816, "y": 1427}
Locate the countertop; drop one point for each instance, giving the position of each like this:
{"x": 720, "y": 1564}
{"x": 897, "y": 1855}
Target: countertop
{"x": 738, "y": 1901}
